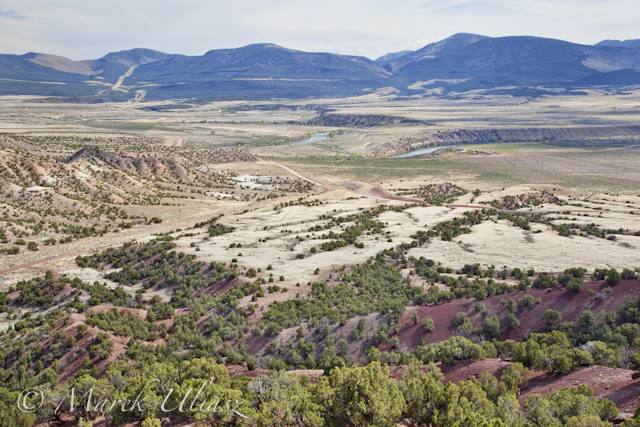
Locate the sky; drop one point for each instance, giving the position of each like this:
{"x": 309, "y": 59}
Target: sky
{"x": 90, "y": 29}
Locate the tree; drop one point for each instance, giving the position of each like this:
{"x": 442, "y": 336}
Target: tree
{"x": 508, "y": 410}
{"x": 151, "y": 422}
{"x": 357, "y": 332}
{"x": 552, "y": 317}
{"x": 613, "y": 277}
{"x": 360, "y": 397}
{"x": 586, "y": 321}
{"x": 513, "y": 378}
{"x": 394, "y": 342}
{"x": 567, "y": 403}
{"x": 574, "y": 285}
{"x": 427, "y": 324}
{"x": 631, "y": 422}
{"x": 573, "y": 279}
{"x": 430, "y": 403}
{"x": 82, "y": 329}
{"x": 423, "y": 394}
{"x": 631, "y": 331}
{"x": 526, "y": 301}
{"x": 414, "y": 316}
{"x": 10, "y": 415}
{"x": 585, "y": 420}
{"x": 491, "y": 327}
{"x": 86, "y": 364}
{"x": 512, "y": 321}
{"x": 563, "y": 365}
{"x": 461, "y": 317}
{"x": 465, "y": 329}
{"x": 459, "y": 348}
{"x": 560, "y": 407}
{"x": 281, "y": 400}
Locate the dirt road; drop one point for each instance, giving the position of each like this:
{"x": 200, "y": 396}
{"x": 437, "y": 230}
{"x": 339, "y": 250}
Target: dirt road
{"x": 326, "y": 187}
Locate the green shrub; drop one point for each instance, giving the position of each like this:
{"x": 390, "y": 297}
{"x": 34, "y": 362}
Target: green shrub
{"x": 427, "y": 324}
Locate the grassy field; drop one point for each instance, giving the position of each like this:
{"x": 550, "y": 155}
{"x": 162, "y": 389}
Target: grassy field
{"x": 239, "y": 141}
{"x": 583, "y": 171}
{"x": 542, "y": 147}
{"x": 520, "y": 148}
{"x": 381, "y": 171}
{"x": 121, "y": 125}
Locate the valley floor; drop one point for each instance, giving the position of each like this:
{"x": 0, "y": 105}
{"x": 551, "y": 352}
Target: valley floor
{"x": 159, "y": 242}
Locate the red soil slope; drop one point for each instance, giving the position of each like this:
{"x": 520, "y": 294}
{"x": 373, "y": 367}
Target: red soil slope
{"x": 568, "y": 303}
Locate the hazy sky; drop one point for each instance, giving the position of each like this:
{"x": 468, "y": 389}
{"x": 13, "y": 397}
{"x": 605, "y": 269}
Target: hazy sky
{"x": 89, "y": 29}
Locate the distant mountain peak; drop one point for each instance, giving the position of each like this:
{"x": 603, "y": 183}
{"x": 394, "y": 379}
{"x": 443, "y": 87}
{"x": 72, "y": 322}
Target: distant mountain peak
{"x": 618, "y": 43}
{"x": 249, "y": 48}
{"x": 266, "y": 45}
{"x": 451, "y": 44}
{"x": 467, "y": 36}
{"x": 135, "y": 56}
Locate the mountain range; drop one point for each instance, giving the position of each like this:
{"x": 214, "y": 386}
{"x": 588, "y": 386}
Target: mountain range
{"x": 459, "y": 63}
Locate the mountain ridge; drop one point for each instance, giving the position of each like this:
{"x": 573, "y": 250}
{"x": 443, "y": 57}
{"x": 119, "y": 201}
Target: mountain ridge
{"x": 458, "y": 63}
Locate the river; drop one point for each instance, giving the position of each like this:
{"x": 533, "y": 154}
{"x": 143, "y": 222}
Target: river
{"x": 314, "y": 138}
